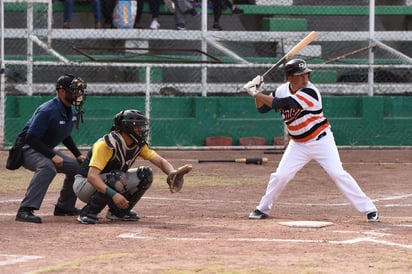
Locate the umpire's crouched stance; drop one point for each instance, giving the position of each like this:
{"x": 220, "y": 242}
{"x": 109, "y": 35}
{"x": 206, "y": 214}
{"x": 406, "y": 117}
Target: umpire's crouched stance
{"x": 106, "y": 176}
{"x": 50, "y": 125}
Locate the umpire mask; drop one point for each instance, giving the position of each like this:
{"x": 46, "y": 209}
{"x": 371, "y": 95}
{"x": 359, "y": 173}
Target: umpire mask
{"x": 74, "y": 87}
{"x": 75, "y": 93}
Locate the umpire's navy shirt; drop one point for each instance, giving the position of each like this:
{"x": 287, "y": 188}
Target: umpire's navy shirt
{"x": 52, "y": 122}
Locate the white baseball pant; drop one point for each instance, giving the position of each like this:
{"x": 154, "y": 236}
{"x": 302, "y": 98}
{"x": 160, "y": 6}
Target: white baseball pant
{"x": 325, "y": 152}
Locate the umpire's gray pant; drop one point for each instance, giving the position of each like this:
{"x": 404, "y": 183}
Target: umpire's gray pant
{"x": 84, "y": 190}
{"x": 44, "y": 173}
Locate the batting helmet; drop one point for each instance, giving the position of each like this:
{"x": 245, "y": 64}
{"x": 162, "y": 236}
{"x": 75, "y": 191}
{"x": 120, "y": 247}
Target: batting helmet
{"x": 296, "y": 67}
{"x": 127, "y": 120}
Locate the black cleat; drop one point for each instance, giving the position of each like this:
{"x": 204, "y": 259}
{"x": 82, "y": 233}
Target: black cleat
{"x": 257, "y": 215}
{"x": 373, "y": 217}
{"x": 129, "y": 216}
{"x": 62, "y": 212}
{"x": 27, "y": 216}
{"x": 87, "y": 219}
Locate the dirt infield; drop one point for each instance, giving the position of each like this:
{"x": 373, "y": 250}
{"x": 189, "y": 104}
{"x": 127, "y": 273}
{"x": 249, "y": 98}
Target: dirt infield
{"x": 205, "y": 229}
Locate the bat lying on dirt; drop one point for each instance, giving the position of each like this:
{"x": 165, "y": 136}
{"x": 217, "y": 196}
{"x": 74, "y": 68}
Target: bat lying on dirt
{"x": 256, "y": 161}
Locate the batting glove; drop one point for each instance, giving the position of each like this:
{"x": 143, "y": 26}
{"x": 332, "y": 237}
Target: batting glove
{"x": 258, "y": 80}
{"x": 255, "y": 86}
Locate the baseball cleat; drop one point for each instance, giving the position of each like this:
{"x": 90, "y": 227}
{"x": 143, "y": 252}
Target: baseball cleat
{"x": 27, "y": 216}
{"x": 373, "y": 217}
{"x": 130, "y": 216}
{"x": 62, "y": 212}
{"x": 257, "y": 214}
{"x": 87, "y": 220}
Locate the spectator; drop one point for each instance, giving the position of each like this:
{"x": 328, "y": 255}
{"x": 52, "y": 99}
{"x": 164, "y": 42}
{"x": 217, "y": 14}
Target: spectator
{"x": 154, "y": 10}
{"x": 68, "y": 12}
{"x": 218, "y": 6}
{"x": 183, "y": 7}
{"x": 107, "y": 11}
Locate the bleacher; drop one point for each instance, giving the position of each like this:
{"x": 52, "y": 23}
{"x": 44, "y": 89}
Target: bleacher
{"x": 276, "y": 12}
{"x": 286, "y": 19}
{"x": 271, "y": 27}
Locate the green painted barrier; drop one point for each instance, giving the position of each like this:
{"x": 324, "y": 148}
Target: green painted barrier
{"x": 188, "y": 120}
{"x": 325, "y": 10}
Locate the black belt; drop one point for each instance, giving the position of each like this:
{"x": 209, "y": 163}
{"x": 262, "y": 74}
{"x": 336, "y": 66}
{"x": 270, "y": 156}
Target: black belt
{"x": 320, "y": 136}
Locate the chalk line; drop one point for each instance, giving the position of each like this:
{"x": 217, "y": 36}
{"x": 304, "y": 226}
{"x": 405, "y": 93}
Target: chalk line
{"x": 14, "y": 259}
{"x": 137, "y": 235}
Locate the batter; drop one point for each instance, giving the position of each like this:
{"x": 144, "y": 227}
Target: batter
{"x": 311, "y": 138}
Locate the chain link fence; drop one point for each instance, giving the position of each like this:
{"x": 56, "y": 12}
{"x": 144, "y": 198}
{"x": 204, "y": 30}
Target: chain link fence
{"x": 355, "y": 52}
{"x": 37, "y": 49}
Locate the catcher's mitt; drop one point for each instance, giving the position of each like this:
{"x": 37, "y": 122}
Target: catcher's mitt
{"x": 175, "y": 179}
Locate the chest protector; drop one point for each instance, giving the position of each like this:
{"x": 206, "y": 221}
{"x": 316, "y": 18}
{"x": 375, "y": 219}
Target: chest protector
{"x": 123, "y": 156}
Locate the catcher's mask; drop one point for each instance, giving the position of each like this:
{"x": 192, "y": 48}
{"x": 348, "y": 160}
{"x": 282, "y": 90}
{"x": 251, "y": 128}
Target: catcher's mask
{"x": 74, "y": 87}
{"x": 134, "y": 123}
{"x": 296, "y": 67}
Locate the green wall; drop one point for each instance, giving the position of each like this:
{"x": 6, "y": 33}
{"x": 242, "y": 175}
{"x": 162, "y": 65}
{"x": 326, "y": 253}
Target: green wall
{"x": 187, "y": 121}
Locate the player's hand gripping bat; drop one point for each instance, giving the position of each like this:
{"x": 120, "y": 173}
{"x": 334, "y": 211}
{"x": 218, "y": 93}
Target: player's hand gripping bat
{"x": 256, "y": 161}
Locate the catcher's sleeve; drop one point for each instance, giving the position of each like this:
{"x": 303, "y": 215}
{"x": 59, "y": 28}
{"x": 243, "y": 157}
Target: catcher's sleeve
{"x": 175, "y": 179}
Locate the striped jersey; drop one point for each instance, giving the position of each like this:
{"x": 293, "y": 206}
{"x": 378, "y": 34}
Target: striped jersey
{"x": 307, "y": 122}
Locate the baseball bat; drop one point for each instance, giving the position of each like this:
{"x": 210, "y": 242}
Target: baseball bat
{"x": 298, "y": 47}
{"x": 349, "y": 54}
{"x": 256, "y": 161}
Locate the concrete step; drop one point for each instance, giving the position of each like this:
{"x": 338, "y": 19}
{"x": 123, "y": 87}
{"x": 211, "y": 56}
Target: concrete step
{"x": 284, "y": 24}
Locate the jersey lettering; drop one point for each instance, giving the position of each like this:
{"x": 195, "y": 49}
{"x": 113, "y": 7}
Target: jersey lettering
{"x": 290, "y": 114}
{"x": 304, "y": 123}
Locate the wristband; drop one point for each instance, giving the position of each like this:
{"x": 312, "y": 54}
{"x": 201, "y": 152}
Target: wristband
{"x": 110, "y": 192}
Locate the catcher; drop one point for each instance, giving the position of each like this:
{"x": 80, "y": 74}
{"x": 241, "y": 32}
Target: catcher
{"x": 106, "y": 176}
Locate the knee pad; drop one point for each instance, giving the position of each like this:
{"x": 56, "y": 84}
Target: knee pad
{"x": 116, "y": 179}
{"x": 145, "y": 175}
{"x": 139, "y": 178}
{"x": 145, "y": 178}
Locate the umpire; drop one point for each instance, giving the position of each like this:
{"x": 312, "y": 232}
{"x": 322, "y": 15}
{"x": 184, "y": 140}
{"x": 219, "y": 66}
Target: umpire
{"x": 50, "y": 125}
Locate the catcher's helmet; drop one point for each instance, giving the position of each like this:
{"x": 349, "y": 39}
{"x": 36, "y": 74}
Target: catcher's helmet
{"x": 296, "y": 67}
{"x": 127, "y": 120}
{"x": 74, "y": 85}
